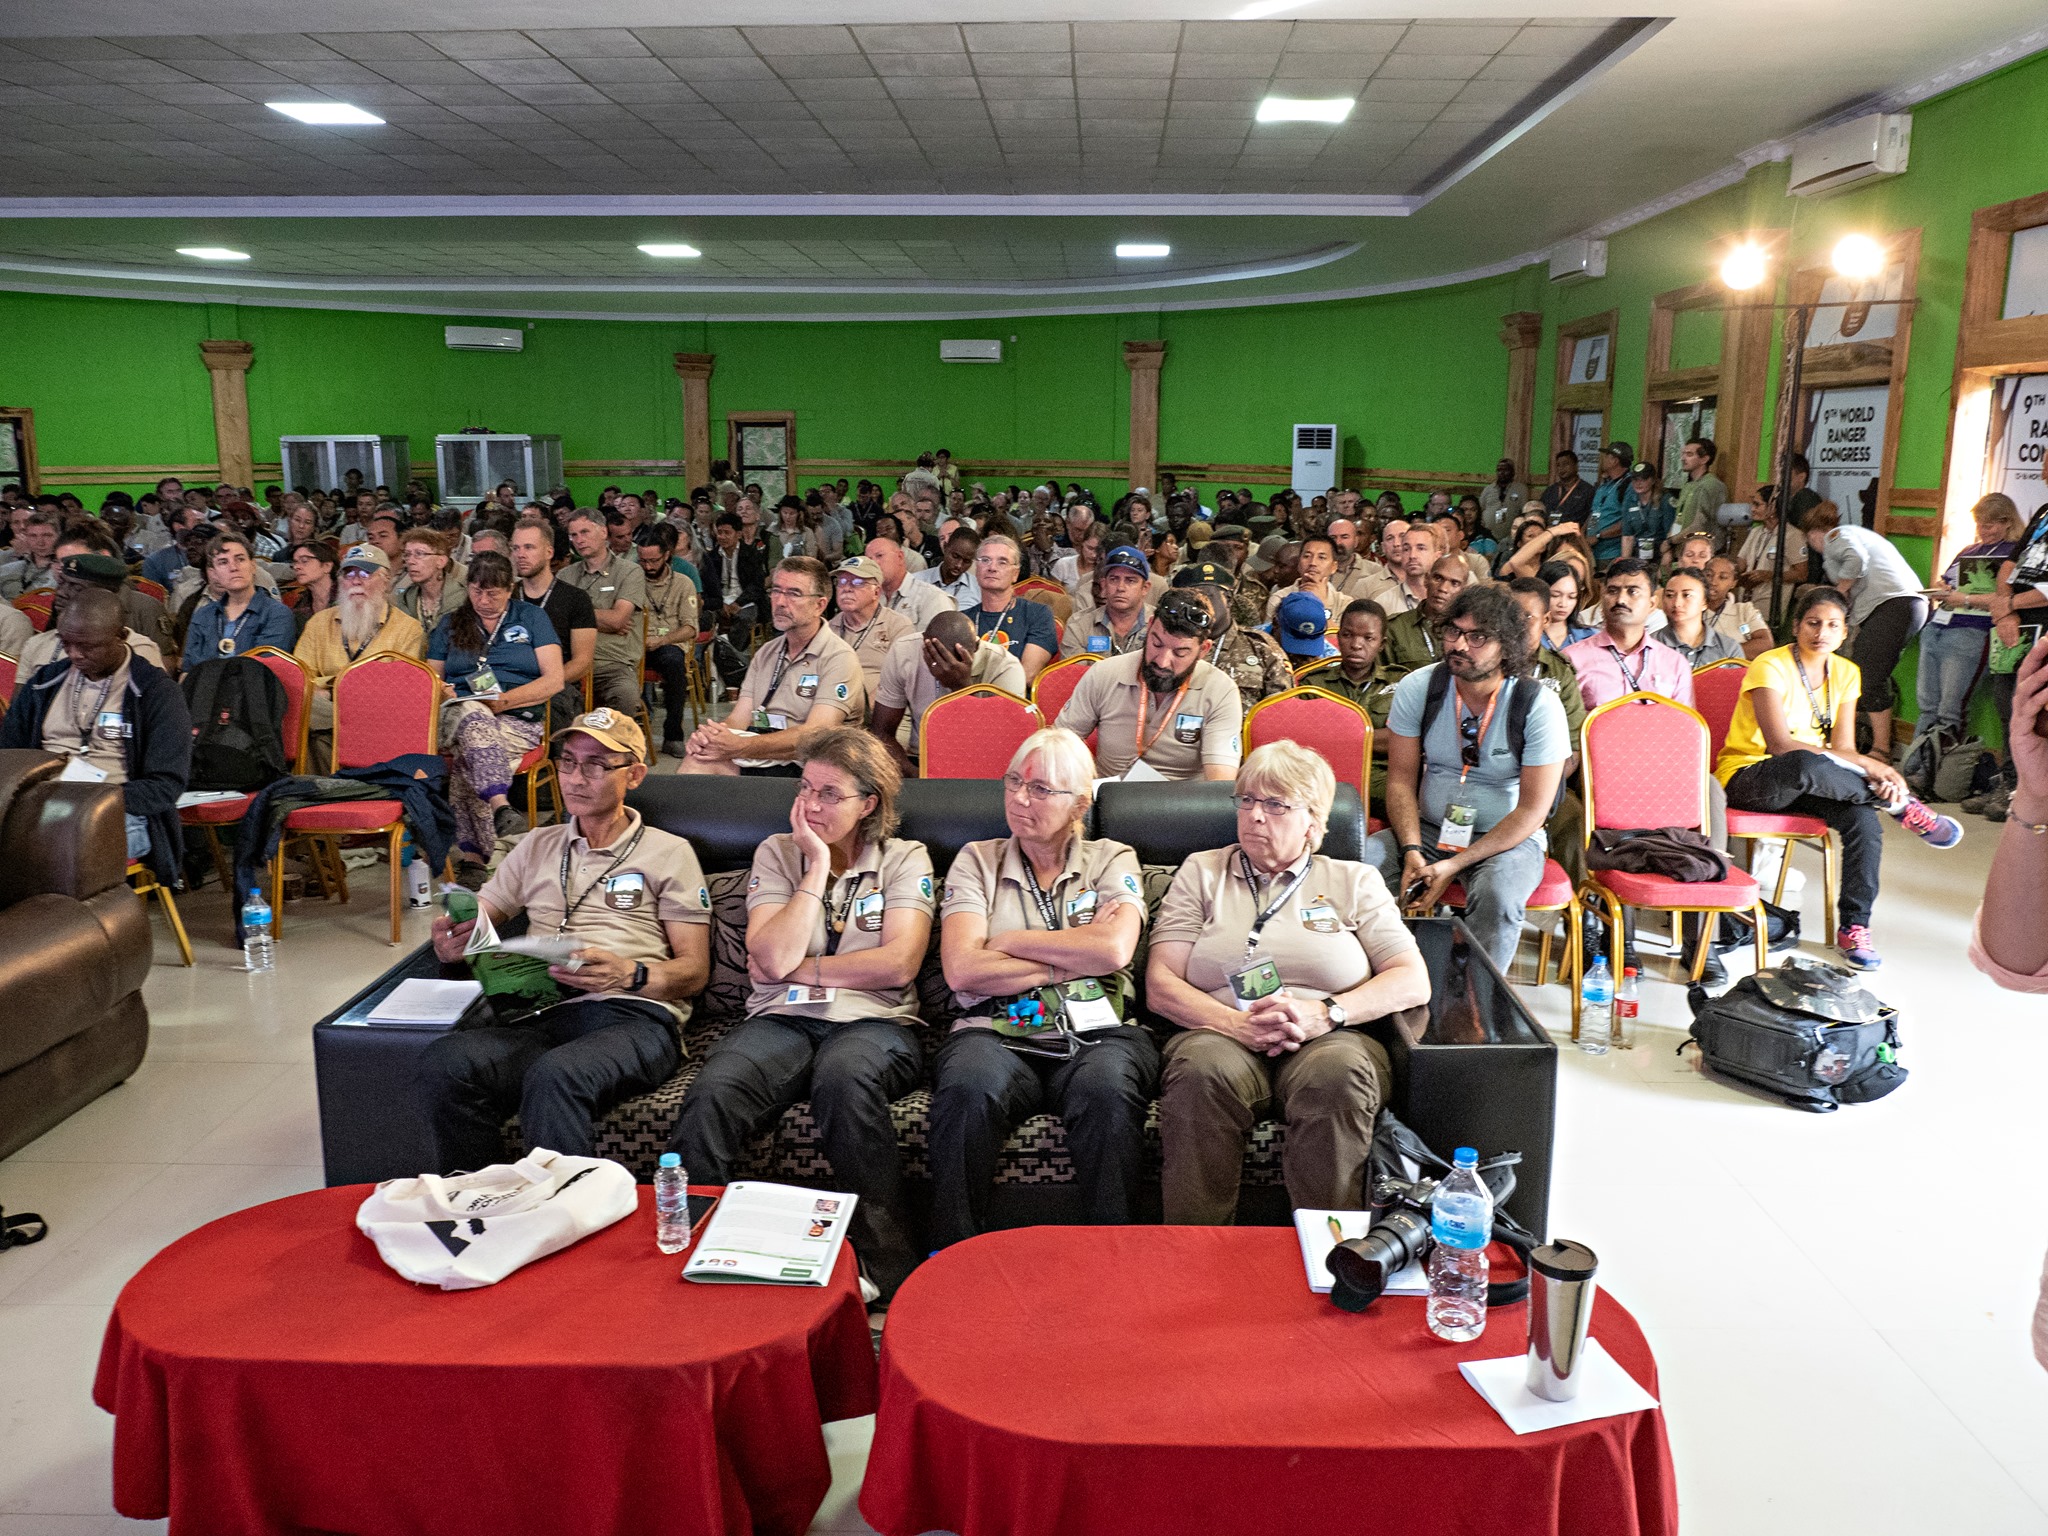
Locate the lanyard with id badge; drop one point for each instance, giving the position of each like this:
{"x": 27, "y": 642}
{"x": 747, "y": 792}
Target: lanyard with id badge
{"x": 766, "y": 719}
{"x": 1454, "y": 832}
{"x": 1052, "y": 1020}
{"x": 864, "y": 910}
{"x": 1257, "y": 979}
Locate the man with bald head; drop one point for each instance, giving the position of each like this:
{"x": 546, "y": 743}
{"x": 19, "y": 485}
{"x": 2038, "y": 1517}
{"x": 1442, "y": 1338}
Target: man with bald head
{"x": 114, "y": 718}
{"x": 918, "y": 601}
{"x": 920, "y": 669}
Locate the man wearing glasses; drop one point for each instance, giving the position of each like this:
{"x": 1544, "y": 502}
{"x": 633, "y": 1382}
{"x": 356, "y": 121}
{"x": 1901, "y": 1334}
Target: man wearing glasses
{"x": 1024, "y": 628}
{"x": 635, "y": 897}
{"x": 1163, "y": 712}
{"x": 804, "y": 681}
{"x": 862, "y": 621}
{"x": 1475, "y": 750}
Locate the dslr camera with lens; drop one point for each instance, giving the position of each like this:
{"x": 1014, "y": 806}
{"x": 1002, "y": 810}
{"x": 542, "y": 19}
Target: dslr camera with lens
{"x": 1399, "y": 1235}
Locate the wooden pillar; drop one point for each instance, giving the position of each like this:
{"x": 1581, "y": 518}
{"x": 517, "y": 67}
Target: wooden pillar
{"x": 227, "y": 366}
{"x": 1522, "y": 334}
{"x": 1144, "y": 359}
{"x": 694, "y": 370}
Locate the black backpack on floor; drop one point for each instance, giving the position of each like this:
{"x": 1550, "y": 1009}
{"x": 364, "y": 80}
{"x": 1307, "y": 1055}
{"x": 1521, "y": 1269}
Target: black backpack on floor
{"x": 1805, "y": 1034}
{"x": 237, "y": 707}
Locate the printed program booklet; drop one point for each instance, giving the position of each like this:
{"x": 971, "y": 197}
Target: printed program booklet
{"x": 771, "y": 1234}
{"x": 516, "y": 967}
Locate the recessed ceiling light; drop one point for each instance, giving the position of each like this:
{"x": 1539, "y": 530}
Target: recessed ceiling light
{"x": 324, "y": 113}
{"x": 1258, "y": 10}
{"x": 213, "y": 253}
{"x": 670, "y": 250}
{"x": 1144, "y": 250}
{"x": 1285, "y": 109}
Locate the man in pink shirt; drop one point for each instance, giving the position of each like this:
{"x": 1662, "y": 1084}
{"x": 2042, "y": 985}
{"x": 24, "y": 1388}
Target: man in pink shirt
{"x": 1620, "y": 659}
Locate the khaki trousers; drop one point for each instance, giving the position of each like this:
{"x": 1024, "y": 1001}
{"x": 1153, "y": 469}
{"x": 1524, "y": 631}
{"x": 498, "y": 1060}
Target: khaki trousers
{"x": 1215, "y": 1091}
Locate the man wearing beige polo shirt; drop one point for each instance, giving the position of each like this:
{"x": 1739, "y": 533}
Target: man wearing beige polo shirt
{"x": 804, "y": 681}
{"x": 1162, "y": 713}
{"x": 921, "y": 669}
{"x": 635, "y": 897}
{"x": 862, "y": 622}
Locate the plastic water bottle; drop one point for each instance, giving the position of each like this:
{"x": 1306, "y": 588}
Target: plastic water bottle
{"x": 259, "y": 933}
{"x": 1461, "y": 1221}
{"x": 671, "y": 1205}
{"x": 1625, "y": 1011}
{"x": 1596, "y": 1008}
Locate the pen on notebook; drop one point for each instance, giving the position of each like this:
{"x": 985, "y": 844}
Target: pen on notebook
{"x": 1336, "y": 1229}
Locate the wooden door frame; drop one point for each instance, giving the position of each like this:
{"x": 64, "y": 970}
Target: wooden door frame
{"x": 1568, "y": 399}
{"x": 31, "y": 473}
{"x": 735, "y": 420}
{"x": 1665, "y": 386}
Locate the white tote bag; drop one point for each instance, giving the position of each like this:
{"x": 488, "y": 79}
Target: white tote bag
{"x": 476, "y": 1228}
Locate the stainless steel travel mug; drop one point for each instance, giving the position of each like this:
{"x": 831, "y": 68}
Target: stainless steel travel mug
{"x": 1560, "y": 1306}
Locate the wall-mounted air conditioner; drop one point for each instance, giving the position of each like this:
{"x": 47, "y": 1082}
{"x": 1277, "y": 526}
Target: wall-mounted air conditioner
{"x": 970, "y": 351}
{"x": 1315, "y": 459}
{"x": 1576, "y": 260}
{"x": 1852, "y": 152}
{"x": 483, "y": 338}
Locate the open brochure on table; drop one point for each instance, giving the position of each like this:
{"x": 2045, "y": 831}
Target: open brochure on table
{"x": 772, "y": 1234}
{"x": 1320, "y": 1231}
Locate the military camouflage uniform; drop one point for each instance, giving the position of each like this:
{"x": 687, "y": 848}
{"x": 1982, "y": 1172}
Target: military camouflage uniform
{"x": 1248, "y": 602}
{"x": 1255, "y": 663}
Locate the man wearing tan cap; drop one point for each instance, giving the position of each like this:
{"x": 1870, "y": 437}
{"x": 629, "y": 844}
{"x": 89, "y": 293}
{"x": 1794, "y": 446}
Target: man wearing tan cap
{"x": 363, "y": 622}
{"x": 862, "y": 622}
{"x": 636, "y": 899}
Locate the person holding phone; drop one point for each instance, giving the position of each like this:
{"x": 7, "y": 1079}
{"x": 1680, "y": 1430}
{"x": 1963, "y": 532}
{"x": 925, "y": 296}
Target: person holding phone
{"x": 1272, "y": 959}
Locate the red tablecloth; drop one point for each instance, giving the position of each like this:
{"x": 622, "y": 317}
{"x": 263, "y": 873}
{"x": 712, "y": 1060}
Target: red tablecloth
{"x": 1070, "y": 1381}
{"x": 268, "y": 1373}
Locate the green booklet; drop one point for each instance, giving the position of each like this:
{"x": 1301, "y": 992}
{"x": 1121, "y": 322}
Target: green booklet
{"x": 509, "y": 967}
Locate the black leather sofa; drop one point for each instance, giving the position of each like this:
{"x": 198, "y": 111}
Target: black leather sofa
{"x": 1483, "y": 1073}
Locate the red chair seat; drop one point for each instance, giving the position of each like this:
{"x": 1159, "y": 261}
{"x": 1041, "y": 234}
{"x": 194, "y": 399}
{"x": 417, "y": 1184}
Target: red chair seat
{"x": 215, "y": 813}
{"x": 1553, "y": 889}
{"x": 345, "y": 816}
{"x": 533, "y": 759}
{"x": 1738, "y": 890}
{"x": 1374, "y": 824}
{"x": 1773, "y": 824}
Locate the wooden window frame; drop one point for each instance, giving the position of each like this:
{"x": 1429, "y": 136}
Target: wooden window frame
{"x": 736, "y": 420}
{"x": 1569, "y": 399}
{"x": 31, "y": 473}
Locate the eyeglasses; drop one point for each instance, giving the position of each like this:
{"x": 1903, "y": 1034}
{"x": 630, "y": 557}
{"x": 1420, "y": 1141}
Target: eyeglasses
{"x": 1029, "y": 790}
{"x": 854, "y": 581}
{"x": 587, "y": 767}
{"x": 793, "y": 594}
{"x": 1274, "y": 809}
{"x": 1465, "y": 636}
{"x": 830, "y": 798}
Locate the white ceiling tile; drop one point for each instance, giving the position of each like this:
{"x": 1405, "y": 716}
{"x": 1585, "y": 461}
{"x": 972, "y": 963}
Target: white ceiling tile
{"x": 368, "y": 46}
{"x": 1347, "y": 36}
{"x": 150, "y": 71}
{"x": 909, "y": 89}
{"x": 1061, "y": 91}
{"x": 557, "y": 94}
{"x": 513, "y": 73}
{"x": 1456, "y": 37}
{"x": 1225, "y": 66}
{"x": 1235, "y": 36}
{"x": 1002, "y": 112}
{"x": 1432, "y": 66}
{"x": 1114, "y": 66}
{"x": 69, "y": 48}
{"x": 776, "y": 40}
{"x": 864, "y": 90}
{"x": 191, "y": 95}
{"x": 651, "y": 93}
{"x": 1044, "y": 66}
{"x": 1018, "y": 37}
{"x": 1523, "y": 68}
{"x": 721, "y": 68}
{"x": 235, "y": 72}
{"x": 177, "y": 48}
{"x": 911, "y": 65}
{"x": 622, "y": 71}
{"x": 1434, "y": 92}
{"x": 335, "y": 73}
{"x": 1102, "y": 88}
{"x": 592, "y": 43}
{"x": 910, "y": 39}
{"x": 425, "y": 73}
{"x": 487, "y": 45}
{"x": 695, "y": 42}
{"x": 821, "y": 66}
{"x": 275, "y": 45}
{"x": 1126, "y": 36}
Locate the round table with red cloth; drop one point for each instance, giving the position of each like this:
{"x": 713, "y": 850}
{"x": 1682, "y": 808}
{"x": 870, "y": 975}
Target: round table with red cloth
{"x": 1084, "y": 1381}
{"x": 268, "y": 1373}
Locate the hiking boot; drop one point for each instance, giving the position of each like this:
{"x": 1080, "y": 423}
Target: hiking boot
{"x": 1931, "y": 827}
{"x": 1974, "y": 805}
{"x": 1854, "y": 943}
{"x": 507, "y": 822}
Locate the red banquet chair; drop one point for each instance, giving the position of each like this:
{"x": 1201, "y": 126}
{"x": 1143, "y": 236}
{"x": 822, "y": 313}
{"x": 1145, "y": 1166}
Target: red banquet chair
{"x": 10, "y": 671}
{"x": 1553, "y": 893}
{"x": 973, "y": 733}
{"x": 210, "y": 817}
{"x": 1645, "y": 760}
{"x": 1716, "y": 690}
{"x": 36, "y": 605}
{"x": 1056, "y": 684}
{"x": 1333, "y": 728}
{"x": 385, "y": 706}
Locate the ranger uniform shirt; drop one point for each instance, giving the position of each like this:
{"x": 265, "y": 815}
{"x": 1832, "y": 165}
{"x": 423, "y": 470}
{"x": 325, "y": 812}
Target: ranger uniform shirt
{"x": 1198, "y": 729}
{"x": 621, "y": 581}
{"x": 824, "y": 671}
{"x": 1336, "y": 929}
{"x": 870, "y": 642}
{"x": 988, "y": 879}
{"x": 620, "y": 904}
{"x": 897, "y": 873}
{"x": 1088, "y": 633}
{"x": 907, "y": 683}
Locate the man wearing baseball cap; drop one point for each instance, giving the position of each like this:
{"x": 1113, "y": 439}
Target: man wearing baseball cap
{"x": 1302, "y": 626}
{"x": 635, "y": 900}
{"x": 862, "y": 621}
{"x": 1117, "y": 628}
{"x": 1255, "y": 665}
{"x": 362, "y": 622}
{"x": 1646, "y": 512}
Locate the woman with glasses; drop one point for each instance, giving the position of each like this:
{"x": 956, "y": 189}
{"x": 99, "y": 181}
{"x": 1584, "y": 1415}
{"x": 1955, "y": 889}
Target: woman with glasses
{"x": 1272, "y": 959}
{"x": 1037, "y": 934}
{"x": 499, "y": 662}
{"x": 839, "y": 913}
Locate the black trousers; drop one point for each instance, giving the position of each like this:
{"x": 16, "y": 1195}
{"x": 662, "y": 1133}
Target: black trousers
{"x": 1809, "y": 784}
{"x": 673, "y": 663}
{"x": 851, "y": 1073}
{"x": 985, "y": 1090}
{"x": 1880, "y": 642}
{"x": 560, "y": 1068}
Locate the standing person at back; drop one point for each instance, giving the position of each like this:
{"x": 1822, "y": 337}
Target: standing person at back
{"x": 618, "y": 595}
{"x": 1701, "y": 497}
{"x": 567, "y": 608}
{"x": 671, "y": 625}
{"x": 1887, "y": 606}
{"x": 1567, "y": 499}
{"x": 1164, "y": 712}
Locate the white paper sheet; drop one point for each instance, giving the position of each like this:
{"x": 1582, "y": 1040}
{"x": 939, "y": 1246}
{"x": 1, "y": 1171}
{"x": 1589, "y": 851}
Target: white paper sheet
{"x": 1312, "y": 1229}
{"x": 1605, "y": 1390}
{"x": 426, "y": 1000}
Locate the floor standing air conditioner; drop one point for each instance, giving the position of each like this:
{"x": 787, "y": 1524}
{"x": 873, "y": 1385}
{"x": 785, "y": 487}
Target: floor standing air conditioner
{"x": 1315, "y": 459}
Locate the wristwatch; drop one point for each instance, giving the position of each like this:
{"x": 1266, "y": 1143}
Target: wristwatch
{"x": 639, "y": 977}
{"x": 1338, "y": 1017}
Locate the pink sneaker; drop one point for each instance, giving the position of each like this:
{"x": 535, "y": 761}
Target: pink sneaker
{"x": 1931, "y": 827}
{"x": 1856, "y": 947}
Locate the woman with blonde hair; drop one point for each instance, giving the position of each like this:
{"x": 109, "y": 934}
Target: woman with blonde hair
{"x": 1953, "y": 643}
{"x": 1273, "y": 958}
{"x": 1037, "y": 934}
{"x": 433, "y": 585}
{"x": 839, "y": 913}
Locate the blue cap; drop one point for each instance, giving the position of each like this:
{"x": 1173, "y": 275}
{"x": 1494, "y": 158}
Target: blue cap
{"x": 1465, "y": 1157}
{"x": 671, "y": 1159}
{"x": 1302, "y": 624}
{"x": 1127, "y": 557}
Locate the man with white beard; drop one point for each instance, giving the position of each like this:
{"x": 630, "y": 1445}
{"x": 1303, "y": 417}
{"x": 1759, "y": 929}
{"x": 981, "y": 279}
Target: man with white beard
{"x": 362, "y": 622}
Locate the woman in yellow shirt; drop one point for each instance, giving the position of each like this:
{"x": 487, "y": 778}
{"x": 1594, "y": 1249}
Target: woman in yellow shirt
{"x": 1791, "y": 749}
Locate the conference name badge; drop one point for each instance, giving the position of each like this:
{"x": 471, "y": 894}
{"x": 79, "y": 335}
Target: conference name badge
{"x": 1099, "y": 644}
{"x": 1456, "y": 831}
{"x": 1187, "y": 729}
{"x": 624, "y": 893}
{"x": 518, "y": 634}
{"x": 867, "y": 913}
{"x": 1081, "y": 910}
{"x": 807, "y": 686}
{"x": 108, "y": 727}
{"x": 1320, "y": 917}
{"x": 1259, "y": 979}
{"x": 803, "y": 994}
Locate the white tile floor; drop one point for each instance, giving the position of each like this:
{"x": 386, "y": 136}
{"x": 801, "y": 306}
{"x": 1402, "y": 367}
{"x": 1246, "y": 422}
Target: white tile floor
{"x": 1839, "y": 1304}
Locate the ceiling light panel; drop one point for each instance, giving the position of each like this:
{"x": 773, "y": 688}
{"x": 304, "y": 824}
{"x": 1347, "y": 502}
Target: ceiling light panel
{"x": 1295, "y": 109}
{"x": 326, "y": 114}
{"x": 670, "y": 249}
{"x": 1135, "y": 250}
{"x": 213, "y": 253}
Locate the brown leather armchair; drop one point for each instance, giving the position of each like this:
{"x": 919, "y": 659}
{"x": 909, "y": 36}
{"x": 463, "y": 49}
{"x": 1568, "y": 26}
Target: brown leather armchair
{"x": 74, "y": 948}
